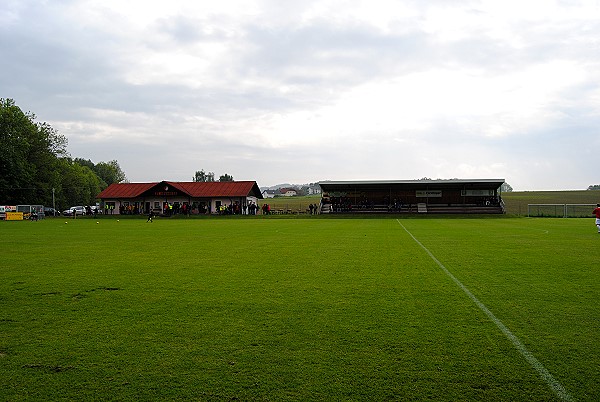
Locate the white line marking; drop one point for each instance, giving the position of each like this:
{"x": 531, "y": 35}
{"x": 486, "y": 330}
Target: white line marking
{"x": 558, "y": 389}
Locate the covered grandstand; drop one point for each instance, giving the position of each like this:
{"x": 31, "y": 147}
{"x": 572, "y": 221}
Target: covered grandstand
{"x": 456, "y": 196}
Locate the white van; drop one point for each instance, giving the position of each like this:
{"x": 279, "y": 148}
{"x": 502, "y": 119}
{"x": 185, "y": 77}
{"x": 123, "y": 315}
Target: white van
{"x": 79, "y": 210}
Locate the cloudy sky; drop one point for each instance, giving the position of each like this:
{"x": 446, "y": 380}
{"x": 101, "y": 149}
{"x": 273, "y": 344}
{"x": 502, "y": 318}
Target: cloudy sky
{"x": 281, "y": 91}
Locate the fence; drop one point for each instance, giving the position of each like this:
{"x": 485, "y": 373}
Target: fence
{"x": 560, "y": 210}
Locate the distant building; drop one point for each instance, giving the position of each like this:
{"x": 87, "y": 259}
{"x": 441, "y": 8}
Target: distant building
{"x": 288, "y": 192}
{"x": 312, "y": 190}
{"x": 191, "y": 197}
{"x": 268, "y": 193}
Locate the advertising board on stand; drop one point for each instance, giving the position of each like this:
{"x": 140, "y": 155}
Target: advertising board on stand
{"x": 14, "y": 216}
{"x": 6, "y": 208}
{"x": 429, "y": 193}
{"x": 9, "y": 213}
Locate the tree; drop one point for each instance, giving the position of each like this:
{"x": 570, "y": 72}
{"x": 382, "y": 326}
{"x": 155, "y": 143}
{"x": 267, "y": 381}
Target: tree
{"x": 79, "y": 185}
{"x": 110, "y": 172}
{"x": 28, "y": 156}
{"x": 35, "y": 165}
{"x": 202, "y": 176}
{"x": 85, "y": 162}
{"x": 225, "y": 177}
{"x": 594, "y": 187}
{"x": 506, "y": 188}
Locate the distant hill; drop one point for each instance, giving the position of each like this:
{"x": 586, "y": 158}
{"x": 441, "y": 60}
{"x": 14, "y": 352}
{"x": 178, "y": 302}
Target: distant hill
{"x": 288, "y": 185}
{"x": 277, "y": 186}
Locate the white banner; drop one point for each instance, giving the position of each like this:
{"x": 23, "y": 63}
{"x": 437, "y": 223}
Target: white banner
{"x": 430, "y": 193}
{"x": 477, "y": 193}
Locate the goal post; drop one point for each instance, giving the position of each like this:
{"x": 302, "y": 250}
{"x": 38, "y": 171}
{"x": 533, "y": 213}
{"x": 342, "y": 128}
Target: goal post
{"x": 579, "y": 210}
{"x": 560, "y": 210}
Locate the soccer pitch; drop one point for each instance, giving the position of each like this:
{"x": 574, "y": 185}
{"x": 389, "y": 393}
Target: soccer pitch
{"x": 254, "y": 308}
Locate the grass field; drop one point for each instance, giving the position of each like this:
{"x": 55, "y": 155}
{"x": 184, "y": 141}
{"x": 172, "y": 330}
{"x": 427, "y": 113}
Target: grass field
{"x": 516, "y": 202}
{"x": 295, "y": 204}
{"x": 256, "y": 308}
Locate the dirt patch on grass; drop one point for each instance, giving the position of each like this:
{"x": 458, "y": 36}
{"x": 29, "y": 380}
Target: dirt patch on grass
{"x": 103, "y": 288}
{"x": 78, "y": 296}
{"x": 48, "y": 367}
{"x": 85, "y": 293}
{"x": 49, "y": 293}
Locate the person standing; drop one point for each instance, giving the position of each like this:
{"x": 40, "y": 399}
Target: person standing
{"x": 597, "y": 213}
{"x": 150, "y": 216}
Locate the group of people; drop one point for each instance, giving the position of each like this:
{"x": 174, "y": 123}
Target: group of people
{"x": 129, "y": 209}
{"x": 239, "y": 209}
{"x": 89, "y": 211}
{"x": 231, "y": 209}
{"x": 176, "y": 208}
{"x": 235, "y": 208}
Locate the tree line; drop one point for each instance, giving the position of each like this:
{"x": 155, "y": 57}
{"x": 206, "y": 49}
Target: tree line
{"x": 203, "y": 177}
{"x": 35, "y": 167}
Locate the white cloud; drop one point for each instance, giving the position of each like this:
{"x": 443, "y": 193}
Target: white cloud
{"x": 335, "y": 89}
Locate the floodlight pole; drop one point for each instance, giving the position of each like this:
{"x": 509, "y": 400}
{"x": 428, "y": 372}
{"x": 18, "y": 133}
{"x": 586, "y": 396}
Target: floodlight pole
{"x": 53, "y": 203}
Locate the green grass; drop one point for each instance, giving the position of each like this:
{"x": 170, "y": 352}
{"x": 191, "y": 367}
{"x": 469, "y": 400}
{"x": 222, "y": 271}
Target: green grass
{"x": 258, "y": 308}
{"x": 295, "y": 204}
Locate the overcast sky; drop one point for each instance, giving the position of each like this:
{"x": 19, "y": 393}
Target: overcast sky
{"x": 281, "y": 91}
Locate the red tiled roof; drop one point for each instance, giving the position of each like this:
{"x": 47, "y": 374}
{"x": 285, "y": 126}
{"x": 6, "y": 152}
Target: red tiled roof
{"x": 216, "y": 189}
{"x": 125, "y": 190}
{"x": 193, "y": 189}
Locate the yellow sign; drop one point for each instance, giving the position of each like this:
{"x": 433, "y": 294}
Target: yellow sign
{"x": 14, "y": 216}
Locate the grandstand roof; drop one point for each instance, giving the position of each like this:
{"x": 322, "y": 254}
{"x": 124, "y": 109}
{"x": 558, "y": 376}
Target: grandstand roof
{"x": 329, "y": 185}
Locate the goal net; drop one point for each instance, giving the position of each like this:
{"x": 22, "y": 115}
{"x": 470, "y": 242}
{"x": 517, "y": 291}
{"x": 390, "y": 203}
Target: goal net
{"x": 560, "y": 210}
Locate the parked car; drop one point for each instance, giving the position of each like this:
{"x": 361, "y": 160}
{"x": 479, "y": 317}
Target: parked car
{"x": 48, "y": 211}
{"x": 79, "y": 210}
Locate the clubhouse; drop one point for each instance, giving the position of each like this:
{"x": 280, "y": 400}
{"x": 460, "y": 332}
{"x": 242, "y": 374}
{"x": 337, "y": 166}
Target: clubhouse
{"x": 413, "y": 196}
{"x": 171, "y": 197}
